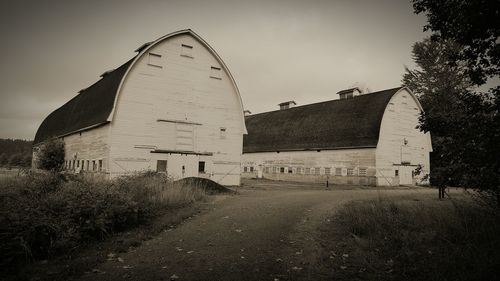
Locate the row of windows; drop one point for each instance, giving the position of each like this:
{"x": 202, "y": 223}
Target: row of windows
{"x": 308, "y": 170}
{"x": 84, "y": 165}
{"x": 154, "y": 60}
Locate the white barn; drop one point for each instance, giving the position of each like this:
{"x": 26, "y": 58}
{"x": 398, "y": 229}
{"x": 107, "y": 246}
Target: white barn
{"x": 173, "y": 108}
{"x": 365, "y": 139}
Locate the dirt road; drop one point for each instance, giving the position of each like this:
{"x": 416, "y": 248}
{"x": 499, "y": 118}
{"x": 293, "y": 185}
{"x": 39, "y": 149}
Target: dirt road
{"x": 256, "y": 235}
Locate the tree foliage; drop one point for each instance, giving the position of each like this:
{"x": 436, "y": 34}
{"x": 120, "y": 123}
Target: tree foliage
{"x": 51, "y": 155}
{"x": 462, "y": 54}
{"x": 11, "y": 147}
{"x": 474, "y": 24}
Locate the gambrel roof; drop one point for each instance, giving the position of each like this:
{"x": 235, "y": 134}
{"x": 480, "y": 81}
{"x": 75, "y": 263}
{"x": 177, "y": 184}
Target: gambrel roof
{"x": 95, "y": 105}
{"x": 91, "y": 107}
{"x": 335, "y": 124}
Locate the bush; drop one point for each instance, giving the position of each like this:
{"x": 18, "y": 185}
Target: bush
{"x": 51, "y": 155}
{"x": 43, "y": 215}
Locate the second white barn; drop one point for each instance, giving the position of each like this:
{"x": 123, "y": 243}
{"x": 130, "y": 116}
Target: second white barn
{"x": 365, "y": 139}
{"x": 173, "y": 108}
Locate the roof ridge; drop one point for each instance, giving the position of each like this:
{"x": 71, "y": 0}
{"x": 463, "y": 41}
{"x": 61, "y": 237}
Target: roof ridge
{"x": 327, "y": 101}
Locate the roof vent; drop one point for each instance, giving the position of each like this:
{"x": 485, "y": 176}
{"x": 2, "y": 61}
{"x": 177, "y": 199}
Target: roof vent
{"x": 247, "y": 112}
{"x": 349, "y": 93}
{"x": 287, "y": 104}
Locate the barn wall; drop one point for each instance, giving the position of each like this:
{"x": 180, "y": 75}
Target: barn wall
{"x": 91, "y": 145}
{"x": 173, "y": 83}
{"x": 293, "y": 166}
{"x": 399, "y": 126}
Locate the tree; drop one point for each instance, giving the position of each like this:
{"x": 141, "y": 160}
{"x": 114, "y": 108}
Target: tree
{"x": 26, "y": 162}
{"x": 16, "y": 159}
{"x": 438, "y": 81}
{"x": 464, "y": 123}
{"x": 474, "y": 24}
{"x": 3, "y": 159}
{"x": 51, "y": 155}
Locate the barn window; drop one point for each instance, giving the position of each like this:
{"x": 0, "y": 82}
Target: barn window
{"x": 88, "y": 165}
{"x": 350, "y": 171}
{"x": 187, "y": 51}
{"x": 100, "y": 165}
{"x": 154, "y": 60}
{"x": 222, "y": 133}
{"x": 94, "y": 165}
{"x": 215, "y": 72}
{"x": 161, "y": 166}
{"x": 328, "y": 170}
{"x": 245, "y": 169}
{"x": 201, "y": 167}
{"x": 290, "y": 170}
{"x": 362, "y": 172}
{"x": 396, "y": 173}
{"x": 338, "y": 171}
{"x": 251, "y": 169}
{"x": 282, "y": 170}
{"x": 83, "y": 164}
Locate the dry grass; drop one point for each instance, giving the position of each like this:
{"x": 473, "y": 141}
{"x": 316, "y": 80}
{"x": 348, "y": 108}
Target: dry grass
{"x": 416, "y": 240}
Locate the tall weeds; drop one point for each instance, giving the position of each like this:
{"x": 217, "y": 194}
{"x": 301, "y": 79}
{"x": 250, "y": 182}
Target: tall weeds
{"x": 425, "y": 240}
{"x": 42, "y": 215}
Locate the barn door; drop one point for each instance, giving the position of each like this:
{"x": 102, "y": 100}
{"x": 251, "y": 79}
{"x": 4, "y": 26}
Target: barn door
{"x": 406, "y": 175}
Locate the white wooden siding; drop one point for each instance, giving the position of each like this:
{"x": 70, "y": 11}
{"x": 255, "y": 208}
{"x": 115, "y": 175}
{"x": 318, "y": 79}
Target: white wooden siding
{"x": 399, "y": 124}
{"x": 91, "y": 145}
{"x": 181, "y": 90}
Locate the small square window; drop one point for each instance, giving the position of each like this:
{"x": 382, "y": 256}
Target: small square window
{"x": 362, "y": 172}
{"x": 282, "y": 170}
{"x": 161, "y": 166}
{"x": 154, "y": 60}
{"x": 338, "y": 171}
{"x": 328, "y": 170}
{"x": 350, "y": 171}
{"x": 308, "y": 171}
{"x": 316, "y": 170}
{"x": 215, "y": 72}
{"x": 201, "y": 167}
{"x": 222, "y": 133}
{"x": 290, "y": 170}
{"x": 251, "y": 169}
{"x": 187, "y": 51}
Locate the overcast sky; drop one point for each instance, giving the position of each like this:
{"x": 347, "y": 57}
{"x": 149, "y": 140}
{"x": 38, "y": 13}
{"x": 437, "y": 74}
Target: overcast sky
{"x": 276, "y": 50}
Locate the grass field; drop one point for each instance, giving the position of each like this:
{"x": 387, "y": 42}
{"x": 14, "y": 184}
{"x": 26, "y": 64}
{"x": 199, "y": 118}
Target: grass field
{"x": 414, "y": 239}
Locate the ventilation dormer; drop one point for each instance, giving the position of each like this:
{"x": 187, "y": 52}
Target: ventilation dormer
{"x": 349, "y": 93}
{"x": 287, "y": 104}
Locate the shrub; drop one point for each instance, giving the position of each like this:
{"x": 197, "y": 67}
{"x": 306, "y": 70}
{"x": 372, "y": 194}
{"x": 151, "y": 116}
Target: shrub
{"x": 51, "y": 155}
{"x": 42, "y": 215}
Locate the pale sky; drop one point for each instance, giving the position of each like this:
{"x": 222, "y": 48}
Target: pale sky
{"x": 276, "y": 50}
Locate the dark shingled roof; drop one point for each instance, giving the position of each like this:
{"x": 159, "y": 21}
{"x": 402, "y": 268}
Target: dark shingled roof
{"x": 353, "y": 122}
{"x": 90, "y": 107}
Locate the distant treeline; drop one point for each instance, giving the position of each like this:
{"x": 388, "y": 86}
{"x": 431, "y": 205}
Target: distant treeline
{"x": 15, "y": 153}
